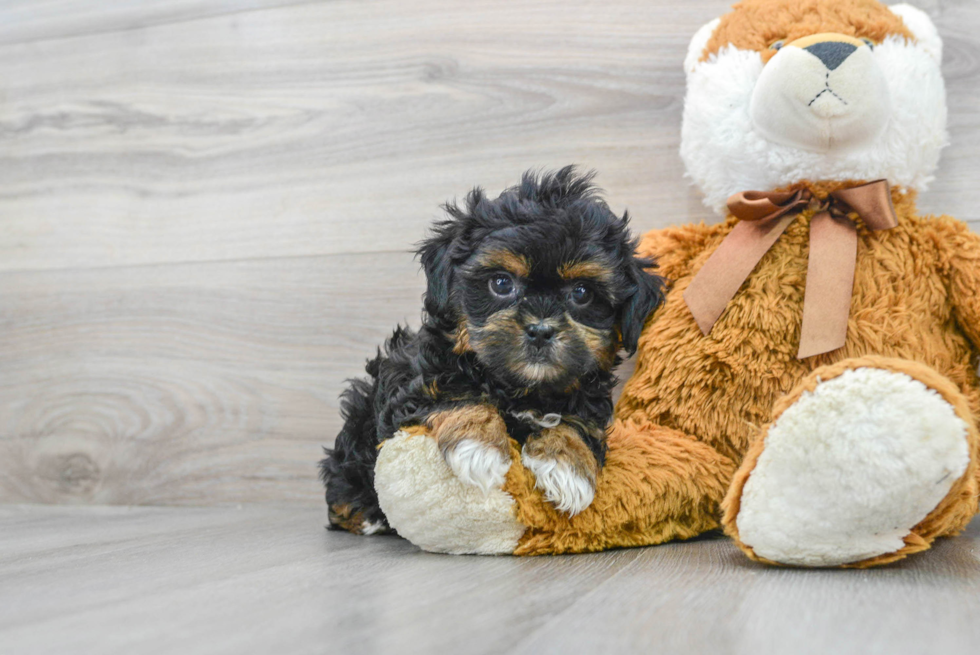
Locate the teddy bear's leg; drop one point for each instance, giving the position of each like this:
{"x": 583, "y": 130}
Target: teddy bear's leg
{"x": 865, "y": 462}
{"x": 657, "y": 484}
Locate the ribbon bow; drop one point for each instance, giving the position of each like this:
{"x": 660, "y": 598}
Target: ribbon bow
{"x": 763, "y": 217}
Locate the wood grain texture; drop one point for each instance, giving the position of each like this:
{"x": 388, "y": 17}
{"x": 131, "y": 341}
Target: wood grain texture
{"x": 329, "y": 127}
{"x": 211, "y": 382}
{"x": 271, "y": 580}
{"x": 26, "y": 21}
{"x": 206, "y": 206}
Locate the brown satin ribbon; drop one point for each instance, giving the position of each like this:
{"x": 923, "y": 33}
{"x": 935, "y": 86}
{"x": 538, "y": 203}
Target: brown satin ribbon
{"x": 763, "y": 217}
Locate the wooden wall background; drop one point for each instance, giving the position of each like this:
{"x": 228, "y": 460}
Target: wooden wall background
{"x": 207, "y": 207}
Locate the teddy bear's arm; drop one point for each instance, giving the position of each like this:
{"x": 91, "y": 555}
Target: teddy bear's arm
{"x": 658, "y": 484}
{"x": 962, "y": 248}
{"x": 675, "y": 247}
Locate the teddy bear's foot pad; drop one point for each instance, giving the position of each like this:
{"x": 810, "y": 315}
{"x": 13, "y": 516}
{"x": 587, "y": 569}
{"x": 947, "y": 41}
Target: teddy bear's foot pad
{"x": 850, "y": 468}
{"x": 428, "y": 505}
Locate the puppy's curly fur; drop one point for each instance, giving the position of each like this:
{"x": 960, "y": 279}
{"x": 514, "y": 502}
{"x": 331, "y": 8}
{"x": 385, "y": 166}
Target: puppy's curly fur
{"x": 529, "y": 298}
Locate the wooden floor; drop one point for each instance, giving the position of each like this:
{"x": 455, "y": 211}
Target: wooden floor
{"x": 206, "y": 213}
{"x": 207, "y": 206}
{"x": 271, "y": 580}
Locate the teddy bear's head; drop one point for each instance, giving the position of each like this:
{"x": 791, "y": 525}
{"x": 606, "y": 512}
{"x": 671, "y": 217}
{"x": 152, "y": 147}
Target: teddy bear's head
{"x": 780, "y": 91}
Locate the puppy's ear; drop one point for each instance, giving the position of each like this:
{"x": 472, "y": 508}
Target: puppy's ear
{"x": 437, "y": 254}
{"x": 434, "y": 255}
{"x": 647, "y": 294}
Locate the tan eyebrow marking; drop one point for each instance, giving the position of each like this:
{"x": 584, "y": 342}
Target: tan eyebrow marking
{"x": 511, "y": 262}
{"x": 589, "y": 269}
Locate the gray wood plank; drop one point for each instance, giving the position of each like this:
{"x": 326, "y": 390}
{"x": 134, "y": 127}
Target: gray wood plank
{"x": 954, "y": 190}
{"x": 206, "y": 206}
{"x": 329, "y": 127}
{"x": 712, "y": 600}
{"x": 338, "y": 127}
{"x": 203, "y": 383}
{"x": 271, "y": 580}
{"x": 188, "y": 384}
{"x": 26, "y": 21}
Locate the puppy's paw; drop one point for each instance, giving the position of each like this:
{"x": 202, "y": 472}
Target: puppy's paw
{"x": 564, "y": 468}
{"x": 568, "y": 491}
{"x": 474, "y": 442}
{"x": 343, "y": 516}
{"x": 478, "y": 464}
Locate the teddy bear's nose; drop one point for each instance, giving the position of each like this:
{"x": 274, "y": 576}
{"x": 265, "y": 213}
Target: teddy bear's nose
{"x": 831, "y": 53}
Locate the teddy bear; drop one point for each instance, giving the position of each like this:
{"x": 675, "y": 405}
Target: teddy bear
{"x": 810, "y": 383}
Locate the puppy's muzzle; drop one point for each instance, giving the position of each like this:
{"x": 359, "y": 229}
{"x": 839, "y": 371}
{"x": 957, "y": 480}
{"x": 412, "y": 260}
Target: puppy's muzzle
{"x": 539, "y": 335}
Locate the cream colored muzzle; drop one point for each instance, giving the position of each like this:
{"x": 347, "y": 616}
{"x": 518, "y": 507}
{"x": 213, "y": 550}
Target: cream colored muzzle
{"x": 823, "y": 92}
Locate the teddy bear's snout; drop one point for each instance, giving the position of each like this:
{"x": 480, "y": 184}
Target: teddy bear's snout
{"x": 820, "y": 93}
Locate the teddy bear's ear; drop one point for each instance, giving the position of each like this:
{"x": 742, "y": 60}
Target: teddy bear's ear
{"x": 696, "y": 48}
{"x": 922, "y": 27}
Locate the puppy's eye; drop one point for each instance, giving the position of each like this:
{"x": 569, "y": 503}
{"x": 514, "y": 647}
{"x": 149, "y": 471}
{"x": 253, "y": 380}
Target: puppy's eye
{"x": 501, "y": 285}
{"x": 776, "y": 45}
{"x": 581, "y": 295}
{"x": 869, "y": 43}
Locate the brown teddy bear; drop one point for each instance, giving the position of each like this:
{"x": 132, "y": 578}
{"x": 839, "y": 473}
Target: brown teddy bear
{"x": 810, "y": 383}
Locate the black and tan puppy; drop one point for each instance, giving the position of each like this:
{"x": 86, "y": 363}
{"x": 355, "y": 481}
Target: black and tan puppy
{"x": 530, "y": 297}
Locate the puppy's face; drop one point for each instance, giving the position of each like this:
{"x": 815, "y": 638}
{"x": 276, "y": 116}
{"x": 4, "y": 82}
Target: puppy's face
{"x": 536, "y": 316}
{"x": 540, "y": 284}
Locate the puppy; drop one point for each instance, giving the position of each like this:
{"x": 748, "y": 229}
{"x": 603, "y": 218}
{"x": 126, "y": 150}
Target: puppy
{"x": 530, "y": 297}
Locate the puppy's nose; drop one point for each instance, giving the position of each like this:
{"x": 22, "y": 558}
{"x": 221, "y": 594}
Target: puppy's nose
{"x": 831, "y": 53}
{"x": 539, "y": 333}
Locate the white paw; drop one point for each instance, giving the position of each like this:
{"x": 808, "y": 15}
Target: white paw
{"x": 479, "y": 465}
{"x": 850, "y": 468}
{"x": 564, "y": 488}
{"x": 373, "y": 527}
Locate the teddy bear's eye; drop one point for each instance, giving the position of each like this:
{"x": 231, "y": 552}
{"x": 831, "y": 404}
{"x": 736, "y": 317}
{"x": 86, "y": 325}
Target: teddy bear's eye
{"x": 776, "y": 45}
{"x": 869, "y": 43}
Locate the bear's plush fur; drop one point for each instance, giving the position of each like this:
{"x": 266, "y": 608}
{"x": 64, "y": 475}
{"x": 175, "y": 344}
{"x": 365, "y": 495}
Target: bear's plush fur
{"x": 854, "y": 457}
